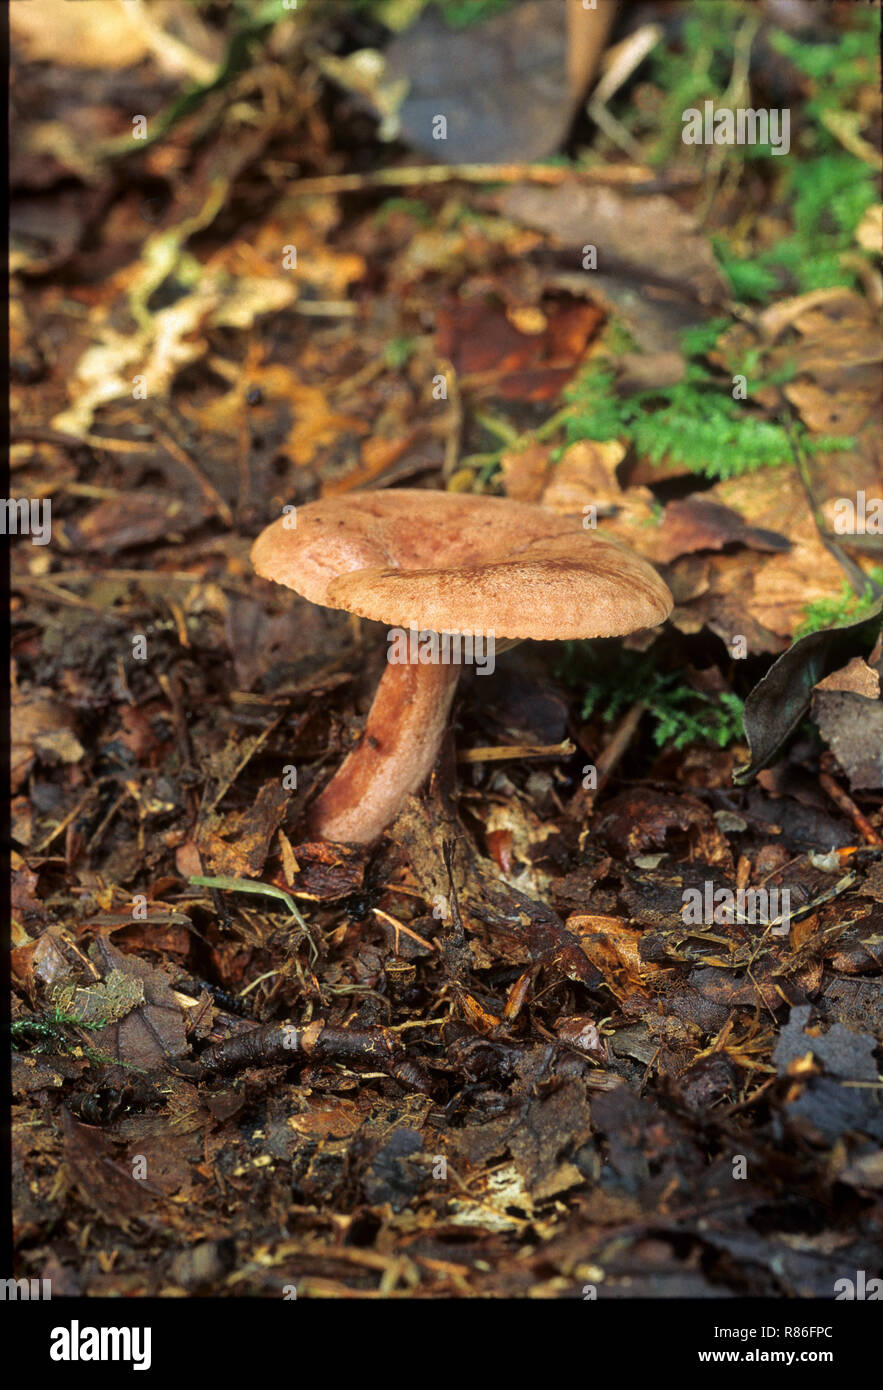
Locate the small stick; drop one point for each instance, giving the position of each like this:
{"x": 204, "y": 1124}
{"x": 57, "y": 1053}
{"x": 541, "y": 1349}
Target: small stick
{"x": 206, "y": 487}
{"x": 400, "y": 927}
{"x": 38, "y": 434}
{"x": 51, "y": 593}
{"x": 250, "y": 750}
{"x": 503, "y": 752}
{"x": 98, "y": 834}
{"x": 622, "y": 737}
{"x": 63, "y": 824}
{"x": 417, "y": 174}
{"x": 454, "y": 431}
{"x": 849, "y": 808}
{"x": 272, "y": 1043}
{"x": 609, "y": 757}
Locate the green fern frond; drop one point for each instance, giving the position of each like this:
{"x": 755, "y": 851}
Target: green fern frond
{"x": 695, "y": 424}
{"x": 611, "y": 682}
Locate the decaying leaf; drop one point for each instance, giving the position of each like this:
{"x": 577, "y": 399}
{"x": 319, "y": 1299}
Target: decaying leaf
{"x": 95, "y": 1006}
{"x": 781, "y": 698}
{"x": 649, "y": 235}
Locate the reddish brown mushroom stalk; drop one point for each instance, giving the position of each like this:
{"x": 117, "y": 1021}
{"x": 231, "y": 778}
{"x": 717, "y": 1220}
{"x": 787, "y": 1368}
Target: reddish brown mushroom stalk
{"x": 404, "y": 730}
{"x": 444, "y": 563}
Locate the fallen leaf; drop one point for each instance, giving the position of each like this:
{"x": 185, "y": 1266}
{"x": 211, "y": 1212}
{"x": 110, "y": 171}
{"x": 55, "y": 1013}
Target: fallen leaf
{"x": 104, "y": 33}
{"x": 479, "y": 338}
{"x": 648, "y": 234}
{"x": 847, "y": 708}
{"x": 778, "y": 702}
{"x": 501, "y": 84}
{"x": 42, "y": 728}
{"x": 252, "y": 831}
{"x": 697, "y": 523}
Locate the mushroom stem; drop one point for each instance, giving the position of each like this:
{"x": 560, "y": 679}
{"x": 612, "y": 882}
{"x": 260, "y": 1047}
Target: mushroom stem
{"x": 402, "y": 737}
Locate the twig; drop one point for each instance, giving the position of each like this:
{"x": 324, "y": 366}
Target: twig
{"x": 619, "y": 64}
{"x": 400, "y": 927}
{"x": 854, "y": 573}
{"x": 172, "y": 54}
{"x": 250, "y": 749}
{"x": 736, "y": 94}
{"x": 39, "y": 434}
{"x": 99, "y": 832}
{"x": 273, "y": 1043}
{"x": 622, "y": 737}
{"x": 849, "y": 808}
{"x": 51, "y": 593}
{"x": 207, "y": 488}
{"x": 454, "y": 430}
{"x": 421, "y": 174}
{"x": 499, "y": 753}
{"x": 63, "y": 824}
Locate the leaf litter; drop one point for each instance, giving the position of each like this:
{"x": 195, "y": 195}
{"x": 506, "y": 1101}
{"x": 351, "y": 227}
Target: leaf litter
{"x": 496, "y": 1042}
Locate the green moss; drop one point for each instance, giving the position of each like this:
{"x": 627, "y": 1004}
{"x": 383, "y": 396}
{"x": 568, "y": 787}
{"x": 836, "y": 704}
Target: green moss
{"x": 695, "y": 69}
{"x": 824, "y": 187}
{"x": 412, "y": 207}
{"x": 398, "y": 352}
{"x": 828, "y": 197}
{"x": 457, "y": 14}
{"x": 839, "y": 68}
{"x": 460, "y": 14}
{"x": 750, "y": 280}
{"x": 847, "y": 606}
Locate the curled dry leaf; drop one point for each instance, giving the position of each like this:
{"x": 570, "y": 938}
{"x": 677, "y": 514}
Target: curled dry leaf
{"x": 848, "y": 710}
{"x": 782, "y": 697}
{"x": 647, "y": 234}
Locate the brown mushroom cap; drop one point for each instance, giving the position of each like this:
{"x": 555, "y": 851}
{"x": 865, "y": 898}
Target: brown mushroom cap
{"x": 460, "y": 563}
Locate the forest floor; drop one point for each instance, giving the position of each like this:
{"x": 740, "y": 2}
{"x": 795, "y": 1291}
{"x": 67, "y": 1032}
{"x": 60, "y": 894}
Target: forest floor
{"x": 543, "y": 1055}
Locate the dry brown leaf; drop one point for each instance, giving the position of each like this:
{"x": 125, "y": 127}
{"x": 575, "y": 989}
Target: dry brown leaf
{"x": 646, "y": 233}
{"x": 525, "y": 471}
{"x": 100, "y": 34}
{"x": 42, "y": 729}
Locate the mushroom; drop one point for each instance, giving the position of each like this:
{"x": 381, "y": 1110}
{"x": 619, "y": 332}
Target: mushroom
{"x": 439, "y": 563}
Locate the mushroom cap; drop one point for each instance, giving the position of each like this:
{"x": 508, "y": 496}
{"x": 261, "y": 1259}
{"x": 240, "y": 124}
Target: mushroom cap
{"x": 451, "y": 562}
